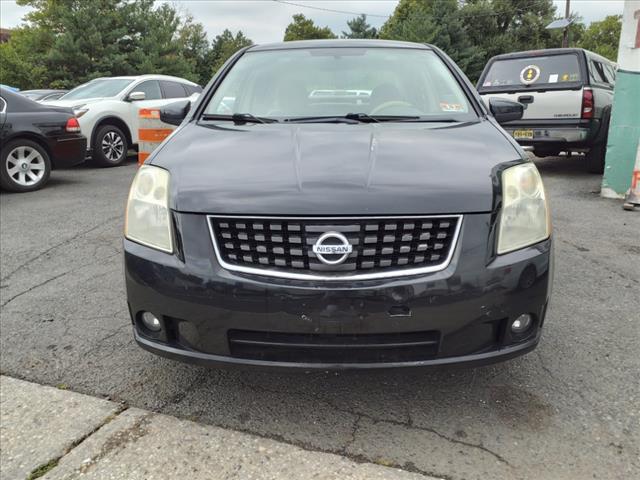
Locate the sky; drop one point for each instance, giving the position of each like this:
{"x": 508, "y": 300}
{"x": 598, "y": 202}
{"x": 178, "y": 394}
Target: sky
{"x": 265, "y": 20}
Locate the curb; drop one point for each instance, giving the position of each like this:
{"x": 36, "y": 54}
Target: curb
{"x": 56, "y": 434}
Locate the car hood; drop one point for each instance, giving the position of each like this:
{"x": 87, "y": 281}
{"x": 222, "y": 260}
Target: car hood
{"x": 334, "y": 169}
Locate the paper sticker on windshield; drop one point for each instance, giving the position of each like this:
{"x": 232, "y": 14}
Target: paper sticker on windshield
{"x": 553, "y": 78}
{"x": 529, "y": 74}
{"x": 451, "y": 107}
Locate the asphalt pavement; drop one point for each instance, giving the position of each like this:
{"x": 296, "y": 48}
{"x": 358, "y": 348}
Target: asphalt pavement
{"x": 568, "y": 410}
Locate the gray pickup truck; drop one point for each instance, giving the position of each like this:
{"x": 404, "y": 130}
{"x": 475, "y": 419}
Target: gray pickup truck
{"x": 567, "y": 95}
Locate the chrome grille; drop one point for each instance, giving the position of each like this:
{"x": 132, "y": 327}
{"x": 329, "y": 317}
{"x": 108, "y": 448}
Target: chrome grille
{"x": 382, "y": 246}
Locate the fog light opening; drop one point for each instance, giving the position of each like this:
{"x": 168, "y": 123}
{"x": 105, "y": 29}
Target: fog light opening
{"x": 522, "y": 323}
{"x": 151, "y": 322}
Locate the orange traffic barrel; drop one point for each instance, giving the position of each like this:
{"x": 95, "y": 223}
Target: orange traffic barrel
{"x": 151, "y": 132}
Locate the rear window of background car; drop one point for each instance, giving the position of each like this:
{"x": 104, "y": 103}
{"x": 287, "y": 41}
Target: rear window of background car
{"x": 173, "y": 90}
{"x": 554, "y": 70}
{"x": 191, "y": 89}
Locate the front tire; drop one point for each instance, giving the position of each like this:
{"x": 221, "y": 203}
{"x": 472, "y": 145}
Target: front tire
{"x": 25, "y": 166}
{"x": 110, "y": 147}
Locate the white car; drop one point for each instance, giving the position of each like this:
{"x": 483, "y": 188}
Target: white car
{"x": 107, "y": 110}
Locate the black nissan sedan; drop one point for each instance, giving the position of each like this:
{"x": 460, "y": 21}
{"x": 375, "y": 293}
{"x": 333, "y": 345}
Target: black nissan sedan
{"x": 338, "y": 205}
{"x": 35, "y": 139}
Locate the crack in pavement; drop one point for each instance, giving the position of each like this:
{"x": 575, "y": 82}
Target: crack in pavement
{"x": 101, "y": 341}
{"x": 357, "y": 458}
{"x": 354, "y": 431}
{"x": 117, "y": 441}
{"x": 553, "y": 375}
{"x": 30, "y": 289}
{"x": 64, "y": 242}
{"x": 359, "y": 416}
{"x": 56, "y": 460}
{"x": 478, "y": 446}
{"x": 55, "y": 277}
{"x": 601, "y": 264}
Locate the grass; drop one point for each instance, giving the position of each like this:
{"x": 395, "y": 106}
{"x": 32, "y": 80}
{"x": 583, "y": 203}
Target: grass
{"x": 43, "y": 469}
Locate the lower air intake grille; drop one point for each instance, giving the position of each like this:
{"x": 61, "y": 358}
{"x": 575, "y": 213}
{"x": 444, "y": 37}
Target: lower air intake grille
{"x": 326, "y": 348}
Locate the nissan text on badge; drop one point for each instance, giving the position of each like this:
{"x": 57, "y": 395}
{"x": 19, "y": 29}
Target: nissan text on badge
{"x": 338, "y": 204}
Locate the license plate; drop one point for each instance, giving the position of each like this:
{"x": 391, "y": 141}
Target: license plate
{"x": 523, "y": 134}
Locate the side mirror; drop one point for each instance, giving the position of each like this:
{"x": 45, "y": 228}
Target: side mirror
{"x": 175, "y": 113}
{"x": 505, "y": 110}
{"x": 136, "y": 96}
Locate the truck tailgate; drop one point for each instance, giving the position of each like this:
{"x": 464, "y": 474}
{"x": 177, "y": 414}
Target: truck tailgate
{"x": 543, "y": 105}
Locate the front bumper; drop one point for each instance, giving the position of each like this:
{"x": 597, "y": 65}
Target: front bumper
{"x": 465, "y": 310}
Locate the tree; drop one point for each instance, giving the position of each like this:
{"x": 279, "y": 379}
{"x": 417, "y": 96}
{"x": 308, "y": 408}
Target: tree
{"x": 359, "y": 28}
{"x": 439, "y": 23}
{"x": 67, "y": 42}
{"x": 155, "y": 42}
{"x": 19, "y": 65}
{"x": 603, "y": 37}
{"x": 500, "y": 26}
{"x": 194, "y": 45}
{"x": 302, "y": 28}
{"x": 222, "y": 47}
{"x": 472, "y": 31}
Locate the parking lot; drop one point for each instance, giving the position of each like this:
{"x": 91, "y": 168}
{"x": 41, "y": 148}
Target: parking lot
{"x": 568, "y": 410}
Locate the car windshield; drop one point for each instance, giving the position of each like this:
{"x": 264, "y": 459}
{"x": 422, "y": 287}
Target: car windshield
{"x": 335, "y": 82}
{"x": 104, "y": 87}
{"x": 522, "y": 73}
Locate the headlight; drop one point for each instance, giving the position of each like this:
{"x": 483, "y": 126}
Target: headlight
{"x": 525, "y": 218}
{"x": 79, "y": 110}
{"x": 148, "y": 219}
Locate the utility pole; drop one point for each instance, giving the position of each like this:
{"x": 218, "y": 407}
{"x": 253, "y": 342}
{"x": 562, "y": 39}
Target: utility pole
{"x": 565, "y": 34}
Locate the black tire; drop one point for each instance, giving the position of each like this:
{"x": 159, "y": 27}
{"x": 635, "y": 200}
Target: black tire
{"x": 544, "y": 152}
{"x": 25, "y": 166}
{"x": 595, "y": 158}
{"x": 595, "y": 155}
{"x": 110, "y": 147}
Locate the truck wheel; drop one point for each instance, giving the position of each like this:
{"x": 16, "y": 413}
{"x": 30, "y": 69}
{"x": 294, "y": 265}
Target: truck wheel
{"x": 545, "y": 152}
{"x": 109, "y": 147}
{"x": 595, "y": 156}
{"x": 25, "y": 166}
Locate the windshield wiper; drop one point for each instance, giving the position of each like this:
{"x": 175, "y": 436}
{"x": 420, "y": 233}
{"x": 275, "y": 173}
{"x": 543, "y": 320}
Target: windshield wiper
{"x": 239, "y": 118}
{"x": 325, "y": 119}
{"x": 366, "y": 118}
{"x": 355, "y": 118}
{"x": 362, "y": 117}
{"x": 429, "y": 120}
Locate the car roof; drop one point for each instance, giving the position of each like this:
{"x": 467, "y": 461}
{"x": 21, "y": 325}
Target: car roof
{"x": 149, "y": 76}
{"x": 548, "y": 51}
{"x": 42, "y": 90}
{"x": 339, "y": 43}
{"x": 19, "y": 102}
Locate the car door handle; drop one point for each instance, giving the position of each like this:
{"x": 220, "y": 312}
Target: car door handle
{"x": 525, "y": 99}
